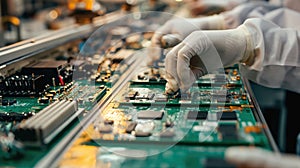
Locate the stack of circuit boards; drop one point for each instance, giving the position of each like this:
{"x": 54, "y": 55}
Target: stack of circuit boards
{"x": 144, "y": 127}
{"x": 112, "y": 111}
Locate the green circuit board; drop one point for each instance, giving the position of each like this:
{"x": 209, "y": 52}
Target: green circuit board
{"x": 172, "y": 130}
{"x": 139, "y": 126}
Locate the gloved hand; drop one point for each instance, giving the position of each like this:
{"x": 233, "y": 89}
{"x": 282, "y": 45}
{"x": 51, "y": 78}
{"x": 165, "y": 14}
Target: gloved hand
{"x": 256, "y": 158}
{"x": 205, "y": 51}
{"x": 179, "y": 29}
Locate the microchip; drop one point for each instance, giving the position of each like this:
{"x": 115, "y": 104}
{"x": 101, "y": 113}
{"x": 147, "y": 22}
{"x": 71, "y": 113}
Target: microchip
{"x": 228, "y": 131}
{"x": 197, "y": 115}
{"x": 227, "y": 116}
{"x": 131, "y": 126}
{"x": 216, "y": 163}
{"x": 149, "y": 114}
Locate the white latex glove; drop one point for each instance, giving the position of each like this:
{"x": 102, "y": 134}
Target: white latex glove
{"x": 205, "y": 51}
{"x": 251, "y": 157}
{"x": 181, "y": 28}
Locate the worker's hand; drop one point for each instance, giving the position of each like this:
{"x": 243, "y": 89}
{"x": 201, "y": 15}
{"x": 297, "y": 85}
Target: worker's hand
{"x": 181, "y": 28}
{"x": 202, "y": 52}
{"x": 250, "y": 157}
{"x": 175, "y": 30}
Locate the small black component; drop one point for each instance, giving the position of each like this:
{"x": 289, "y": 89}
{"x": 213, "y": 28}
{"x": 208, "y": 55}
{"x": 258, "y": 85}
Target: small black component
{"x": 131, "y": 95}
{"x": 153, "y": 79}
{"x": 141, "y": 77}
{"x": 149, "y": 114}
{"x": 228, "y": 131}
{"x": 14, "y": 116}
{"x": 167, "y": 134}
{"x": 23, "y": 85}
{"x": 197, "y": 115}
{"x": 43, "y": 100}
{"x": 131, "y": 126}
{"x": 110, "y": 122}
{"x": 4, "y": 102}
{"x": 12, "y": 102}
{"x": 55, "y": 72}
{"x": 216, "y": 163}
{"x": 142, "y": 134}
{"x": 227, "y": 115}
{"x": 3, "y": 116}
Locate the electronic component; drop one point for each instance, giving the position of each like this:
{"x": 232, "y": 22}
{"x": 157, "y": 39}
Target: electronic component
{"x": 45, "y": 125}
{"x": 253, "y": 129}
{"x": 197, "y": 115}
{"x": 142, "y": 134}
{"x": 130, "y": 127}
{"x": 149, "y": 114}
{"x": 131, "y": 95}
{"x": 23, "y": 85}
{"x": 14, "y": 116}
{"x": 227, "y": 115}
{"x": 55, "y": 72}
{"x": 144, "y": 129}
{"x": 167, "y": 133}
{"x": 148, "y": 96}
{"x": 228, "y": 131}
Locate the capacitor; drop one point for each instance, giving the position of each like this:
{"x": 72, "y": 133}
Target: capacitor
{"x": 244, "y": 96}
{"x": 43, "y": 100}
{"x": 235, "y": 72}
{"x": 49, "y": 96}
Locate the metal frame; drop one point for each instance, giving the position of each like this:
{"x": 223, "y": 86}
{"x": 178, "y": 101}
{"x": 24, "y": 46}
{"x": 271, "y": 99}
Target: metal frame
{"x": 259, "y": 115}
{"x": 51, "y": 159}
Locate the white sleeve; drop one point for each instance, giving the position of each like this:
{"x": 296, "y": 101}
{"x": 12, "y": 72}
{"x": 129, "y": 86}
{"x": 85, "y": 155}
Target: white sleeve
{"x": 277, "y": 55}
{"x": 239, "y": 14}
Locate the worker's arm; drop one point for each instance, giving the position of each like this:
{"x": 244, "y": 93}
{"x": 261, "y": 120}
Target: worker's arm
{"x": 252, "y": 157}
{"x": 269, "y": 55}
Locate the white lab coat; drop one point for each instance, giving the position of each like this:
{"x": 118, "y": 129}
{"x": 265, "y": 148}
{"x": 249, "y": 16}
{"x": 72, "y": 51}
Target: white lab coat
{"x": 275, "y": 33}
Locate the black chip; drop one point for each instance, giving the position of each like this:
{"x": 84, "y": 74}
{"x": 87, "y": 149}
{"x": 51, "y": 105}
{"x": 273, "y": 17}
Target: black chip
{"x": 227, "y": 127}
{"x": 227, "y": 115}
{"x": 216, "y": 163}
{"x": 4, "y": 102}
{"x": 197, "y": 115}
{"x": 148, "y": 114}
{"x": 110, "y": 122}
{"x": 131, "y": 126}
{"x": 228, "y": 131}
